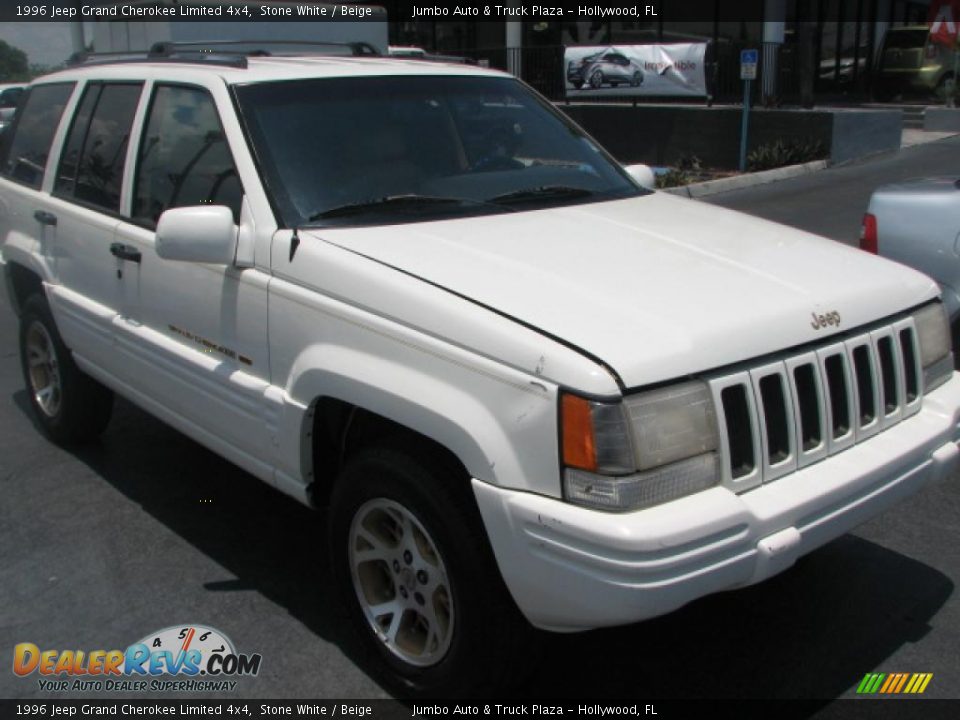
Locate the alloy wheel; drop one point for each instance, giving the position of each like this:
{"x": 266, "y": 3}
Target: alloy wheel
{"x": 43, "y": 369}
{"x": 401, "y": 582}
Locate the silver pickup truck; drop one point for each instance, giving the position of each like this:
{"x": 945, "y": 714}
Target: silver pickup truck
{"x": 917, "y": 223}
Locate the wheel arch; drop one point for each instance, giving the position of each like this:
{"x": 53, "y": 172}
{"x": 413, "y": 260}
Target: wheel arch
{"x": 342, "y": 413}
{"x": 21, "y": 281}
{"x": 335, "y": 430}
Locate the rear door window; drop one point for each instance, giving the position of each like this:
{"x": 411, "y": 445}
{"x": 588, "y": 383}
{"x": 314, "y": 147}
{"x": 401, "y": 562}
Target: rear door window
{"x": 91, "y": 168}
{"x": 24, "y": 156}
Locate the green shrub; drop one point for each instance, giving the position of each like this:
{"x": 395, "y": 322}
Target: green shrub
{"x": 780, "y": 153}
{"x": 687, "y": 170}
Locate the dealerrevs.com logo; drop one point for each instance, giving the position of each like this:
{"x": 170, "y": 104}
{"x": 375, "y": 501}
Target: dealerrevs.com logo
{"x": 199, "y": 658}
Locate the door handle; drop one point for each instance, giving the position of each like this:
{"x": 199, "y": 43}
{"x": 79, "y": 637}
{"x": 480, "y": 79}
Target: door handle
{"x": 45, "y": 218}
{"x": 125, "y": 252}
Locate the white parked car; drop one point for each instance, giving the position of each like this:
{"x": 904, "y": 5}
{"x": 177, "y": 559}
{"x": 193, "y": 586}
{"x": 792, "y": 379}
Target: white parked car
{"x": 530, "y": 391}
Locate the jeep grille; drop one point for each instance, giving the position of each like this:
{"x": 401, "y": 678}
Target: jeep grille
{"x": 783, "y": 415}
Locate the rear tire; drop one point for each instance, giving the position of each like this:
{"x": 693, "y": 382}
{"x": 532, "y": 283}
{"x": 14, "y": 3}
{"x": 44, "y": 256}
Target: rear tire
{"x": 69, "y": 406}
{"x": 940, "y": 91}
{"x": 411, "y": 558}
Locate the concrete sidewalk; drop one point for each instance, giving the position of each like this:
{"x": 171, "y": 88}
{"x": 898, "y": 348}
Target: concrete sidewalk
{"x": 913, "y": 137}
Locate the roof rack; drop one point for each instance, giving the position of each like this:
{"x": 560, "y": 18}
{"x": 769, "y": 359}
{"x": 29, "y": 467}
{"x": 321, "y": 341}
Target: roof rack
{"x": 230, "y": 53}
{"x": 116, "y": 58}
{"x": 261, "y": 48}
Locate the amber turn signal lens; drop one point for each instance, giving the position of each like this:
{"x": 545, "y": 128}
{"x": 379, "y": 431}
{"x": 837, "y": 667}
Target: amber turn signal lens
{"x": 579, "y": 448}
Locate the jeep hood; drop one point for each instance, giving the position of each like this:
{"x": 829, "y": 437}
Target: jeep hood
{"x": 655, "y": 287}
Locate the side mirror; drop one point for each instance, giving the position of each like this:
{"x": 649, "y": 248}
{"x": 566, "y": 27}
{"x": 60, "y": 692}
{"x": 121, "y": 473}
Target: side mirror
{"x": 643, "y": 175}
{"x": 200, "y": 234}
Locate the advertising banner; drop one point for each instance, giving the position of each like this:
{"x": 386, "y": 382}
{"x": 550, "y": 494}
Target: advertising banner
{"x": 676, "y": 69}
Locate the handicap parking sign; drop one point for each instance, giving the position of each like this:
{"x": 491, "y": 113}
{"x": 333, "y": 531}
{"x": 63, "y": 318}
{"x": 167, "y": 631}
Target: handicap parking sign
{"x": 748, "y": 64}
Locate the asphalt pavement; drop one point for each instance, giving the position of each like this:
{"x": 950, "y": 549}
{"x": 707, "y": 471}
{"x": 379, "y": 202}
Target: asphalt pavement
{"x": 103, "y": 545}
{"x": 832, "y": 202}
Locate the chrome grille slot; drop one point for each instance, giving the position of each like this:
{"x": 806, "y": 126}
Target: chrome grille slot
{"x": 912, "y": 371}
{"x": 739, "y": 431}
{"x": 811, "y": 429}
{"x": 736, "y": 415}
{"x": 793, "y": 412}
{"x": 776, "y": 420}
{"x": 910, "y": 380}
{"x": 839, "y": 397}
{"x": 890, "y": 373}
{"x": 809, "y": 413}
{"x": 867, "y": 392}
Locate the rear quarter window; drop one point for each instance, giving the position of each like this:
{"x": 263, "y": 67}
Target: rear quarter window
{"x": 25, "y": 151}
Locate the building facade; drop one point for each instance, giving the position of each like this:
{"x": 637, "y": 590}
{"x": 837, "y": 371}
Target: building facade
{"x": 845, "y": 36}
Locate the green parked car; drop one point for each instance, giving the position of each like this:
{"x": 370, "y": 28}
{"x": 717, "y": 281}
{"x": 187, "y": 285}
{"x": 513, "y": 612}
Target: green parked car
{"x": 910, "y": 64}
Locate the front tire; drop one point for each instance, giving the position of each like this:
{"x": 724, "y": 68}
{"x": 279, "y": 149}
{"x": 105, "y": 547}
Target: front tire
{"x": 596, "y": 79}
{"x": 69, "y": 406}
{"x": 412, "y": 561}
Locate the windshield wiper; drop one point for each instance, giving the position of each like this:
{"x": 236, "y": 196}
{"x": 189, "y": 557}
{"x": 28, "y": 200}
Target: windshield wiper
{"x": 544, "y": 192}
{"x": 395, "y": 201}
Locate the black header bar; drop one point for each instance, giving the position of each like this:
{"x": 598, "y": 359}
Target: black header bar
{"x": 539, "y": 11}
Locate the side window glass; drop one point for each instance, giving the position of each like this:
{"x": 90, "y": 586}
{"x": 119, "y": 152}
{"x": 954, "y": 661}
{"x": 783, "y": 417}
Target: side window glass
{"x": 69, "y": 159}
{"x": 92, "y": 166}
{"x": 25, "y": 153}
{"x": 184, "y": 157}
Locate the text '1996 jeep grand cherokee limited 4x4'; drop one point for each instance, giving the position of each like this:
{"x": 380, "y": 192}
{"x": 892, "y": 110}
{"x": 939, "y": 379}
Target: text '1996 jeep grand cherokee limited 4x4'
{"x": 529, "y": 390}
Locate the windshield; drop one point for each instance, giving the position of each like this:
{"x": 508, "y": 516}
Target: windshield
{"x": 368, "y": 150}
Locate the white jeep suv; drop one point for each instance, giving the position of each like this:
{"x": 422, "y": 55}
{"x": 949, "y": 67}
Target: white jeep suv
{"x": 529, "y": 390}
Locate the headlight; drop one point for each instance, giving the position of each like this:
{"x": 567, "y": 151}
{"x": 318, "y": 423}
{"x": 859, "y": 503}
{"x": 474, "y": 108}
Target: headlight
{"x": 672, "y": 423}
{"x": 933, "y": 334}
{"x": 654, "y": 447}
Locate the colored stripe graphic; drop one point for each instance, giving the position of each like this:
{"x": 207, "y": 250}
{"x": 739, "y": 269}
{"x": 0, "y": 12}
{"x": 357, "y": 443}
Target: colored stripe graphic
{"x": 903, "y": 681}
{"x": 894, "y": 683}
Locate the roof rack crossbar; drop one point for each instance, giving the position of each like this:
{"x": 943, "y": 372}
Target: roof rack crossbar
{"x": 259, "y": 47}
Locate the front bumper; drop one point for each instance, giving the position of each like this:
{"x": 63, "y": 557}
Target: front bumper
{"x": 570, "y": 568}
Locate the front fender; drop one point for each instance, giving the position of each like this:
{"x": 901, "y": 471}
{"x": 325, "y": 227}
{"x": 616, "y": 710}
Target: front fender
{"x": 503, "y": 432}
